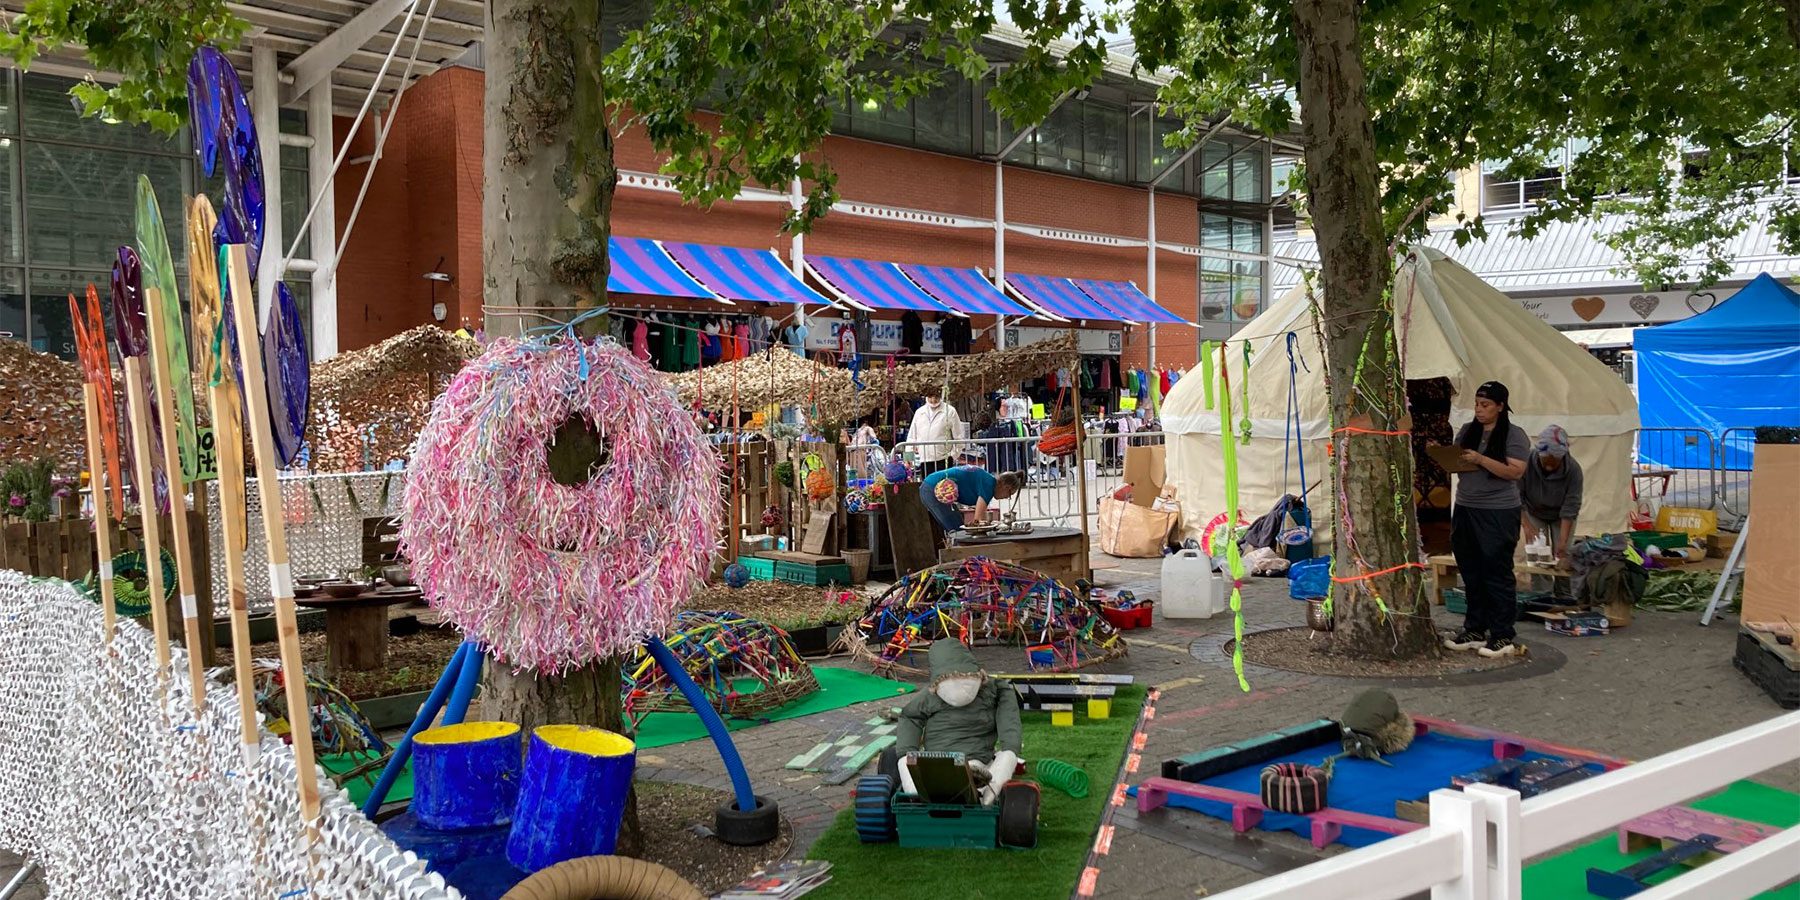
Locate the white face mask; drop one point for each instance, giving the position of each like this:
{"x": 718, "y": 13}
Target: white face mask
{"x": 933, "y": 402}
{"x": 959, "y": 690}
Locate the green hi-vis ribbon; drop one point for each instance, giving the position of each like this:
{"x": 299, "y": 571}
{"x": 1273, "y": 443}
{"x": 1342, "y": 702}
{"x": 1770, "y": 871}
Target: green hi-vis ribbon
{"x": 1207, "y": 374}
{"x": 1233, "y": 558}
{"x": 1244, "y": 388}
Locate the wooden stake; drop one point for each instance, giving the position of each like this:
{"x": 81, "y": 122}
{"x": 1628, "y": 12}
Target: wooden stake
{"x": 178, "y": 509}
{"x": 1081, "y": 485}
{"x": 102, "y": 517}
{"x": 281, "y": 579}
{"x": 138, "y": 404}
{"x": 228, "y": 449}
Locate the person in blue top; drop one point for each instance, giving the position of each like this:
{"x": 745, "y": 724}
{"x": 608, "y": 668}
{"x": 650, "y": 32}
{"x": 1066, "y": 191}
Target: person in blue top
{"x": 975, "y": 487}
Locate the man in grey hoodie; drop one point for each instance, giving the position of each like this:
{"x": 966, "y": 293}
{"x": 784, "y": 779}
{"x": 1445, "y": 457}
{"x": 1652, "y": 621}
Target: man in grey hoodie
{"x": 1551, "y": 497}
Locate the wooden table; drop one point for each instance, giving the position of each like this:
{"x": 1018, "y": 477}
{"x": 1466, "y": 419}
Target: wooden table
{"x": 1444, "y": 573}
{"x": 356, "y": 628}
{"x": 1058, "y": 552}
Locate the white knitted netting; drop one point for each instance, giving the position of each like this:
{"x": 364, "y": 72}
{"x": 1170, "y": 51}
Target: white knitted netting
{"x": 324, "y": 517}
{"x": 112, "y": 785}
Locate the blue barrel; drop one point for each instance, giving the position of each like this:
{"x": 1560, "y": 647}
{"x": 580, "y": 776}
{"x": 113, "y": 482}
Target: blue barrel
{"x": 466, "y": 776}
{"x": 572, "y": 798}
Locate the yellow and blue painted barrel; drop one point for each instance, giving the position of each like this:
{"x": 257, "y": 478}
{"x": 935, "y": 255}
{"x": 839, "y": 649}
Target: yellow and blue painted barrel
{"x": 466, "y": 776}
{"x": 572, "y": 796}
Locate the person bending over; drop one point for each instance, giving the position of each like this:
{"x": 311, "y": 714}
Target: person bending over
{"x": 1551, "y": 491}
{"x": 942, "y": 492}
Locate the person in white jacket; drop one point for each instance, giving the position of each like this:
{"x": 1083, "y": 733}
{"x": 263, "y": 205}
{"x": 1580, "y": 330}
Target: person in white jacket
{"x": 935, "y": 426}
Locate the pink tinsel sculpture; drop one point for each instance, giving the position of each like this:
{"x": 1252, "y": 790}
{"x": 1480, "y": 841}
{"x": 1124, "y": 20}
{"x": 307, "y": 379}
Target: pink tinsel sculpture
{"x": 548, "y": 576}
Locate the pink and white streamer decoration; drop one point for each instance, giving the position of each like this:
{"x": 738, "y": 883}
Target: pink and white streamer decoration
{"x": 543, "y": 575}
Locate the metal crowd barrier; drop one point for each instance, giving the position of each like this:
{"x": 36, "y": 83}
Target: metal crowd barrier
{"x": 1051, "y": 493}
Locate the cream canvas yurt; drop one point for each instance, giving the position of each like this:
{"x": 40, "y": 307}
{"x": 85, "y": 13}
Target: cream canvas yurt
{"x": 1450, "y": 325}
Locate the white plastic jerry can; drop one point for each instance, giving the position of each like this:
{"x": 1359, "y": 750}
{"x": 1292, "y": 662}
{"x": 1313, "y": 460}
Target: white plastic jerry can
{"x": 1190, "y": 589}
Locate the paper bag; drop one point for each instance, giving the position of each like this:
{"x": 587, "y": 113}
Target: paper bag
{"x": 1130, "y": 530}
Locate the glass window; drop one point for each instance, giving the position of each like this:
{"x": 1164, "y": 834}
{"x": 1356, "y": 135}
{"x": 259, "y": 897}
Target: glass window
{"x": 1215, "y": 231}
{"x": 12, "y": 304}
{"x": 1246, "y": 235}
{"x": 1215, "y": 172}
{"x": 51, "y": 331}
{"x": 1247, "y": 176}
{"x": 619, "y": 17}
{"x": 12, "y": 235}
{"x": 295, "y": 197}
{"x": 1215, "y": 289}
{"x": 1103, "y": 141}
{"x": 941, "y": 115}
{"x": 50, "y": 114}
{"x": 878, "y": 116}
{"x": 80, "y": 202}
{"x": 1059, "y": 138}
{"x": 9, "y": 105}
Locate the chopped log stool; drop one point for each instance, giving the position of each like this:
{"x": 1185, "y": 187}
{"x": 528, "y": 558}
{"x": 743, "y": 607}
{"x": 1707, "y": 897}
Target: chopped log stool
{"x": 356, "y": 628}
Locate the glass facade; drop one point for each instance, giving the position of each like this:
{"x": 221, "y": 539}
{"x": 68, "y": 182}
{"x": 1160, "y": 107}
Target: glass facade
{"x": 1230, "y": 288}
{"x": 68, "y": 194}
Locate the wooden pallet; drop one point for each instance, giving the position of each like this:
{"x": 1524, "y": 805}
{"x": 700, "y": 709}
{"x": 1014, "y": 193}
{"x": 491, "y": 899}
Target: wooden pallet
{"x": 1676, "y": 824}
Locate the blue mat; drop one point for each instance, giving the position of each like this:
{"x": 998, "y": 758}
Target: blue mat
{"x": 1359, "y": 785}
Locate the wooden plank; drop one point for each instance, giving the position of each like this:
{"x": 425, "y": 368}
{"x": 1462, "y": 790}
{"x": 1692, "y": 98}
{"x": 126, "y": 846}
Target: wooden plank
{"x": 1769, "y": 594}
{"x": 1681, "y": 823}
{"x": 1247, "y": 810}
{"x": 78, "y": 560}
{"x": 47, "y": 549}
{"x": 910, "y": 530}
{"x": 811, "y": 559}
{"x": 1513, "y": 744}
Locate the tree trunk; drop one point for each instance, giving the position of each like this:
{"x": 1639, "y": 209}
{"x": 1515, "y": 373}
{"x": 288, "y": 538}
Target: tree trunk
{"x": 1385, "y": 616}
{"x": 549, "y": 176}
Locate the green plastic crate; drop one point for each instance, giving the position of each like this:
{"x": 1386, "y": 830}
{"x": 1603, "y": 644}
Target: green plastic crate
{"x": 1457, "y": 602}
{"x": 760, "y": 569}
{"x": 807, "y": 573}
{"x": 945, "y": 824}
{"x": 1643, "y": 540}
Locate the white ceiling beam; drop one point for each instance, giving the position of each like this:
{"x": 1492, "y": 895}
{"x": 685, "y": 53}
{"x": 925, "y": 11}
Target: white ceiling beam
{"x": 466, "y": 13}
{"x": 315, "y": 65}
{"x": 285, "y": 24}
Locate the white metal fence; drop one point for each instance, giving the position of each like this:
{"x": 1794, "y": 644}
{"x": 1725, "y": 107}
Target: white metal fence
{"x": 1479, "y": 838}
{"x": 113, "y": 785}
{"x": 1051, "y": 493}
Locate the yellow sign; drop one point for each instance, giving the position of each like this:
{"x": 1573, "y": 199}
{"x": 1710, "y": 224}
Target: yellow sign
{"x": 1037, "y": 410}
{"x": 1127, "y": 404}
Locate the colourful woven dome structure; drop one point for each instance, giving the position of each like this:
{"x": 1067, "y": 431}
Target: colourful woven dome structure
{"x": 982, "y": 602}
{"x": 745, "y": 666}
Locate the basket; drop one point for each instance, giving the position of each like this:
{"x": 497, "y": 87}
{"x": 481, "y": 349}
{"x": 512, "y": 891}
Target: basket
{"x": 1128, "y": 619}
{"x": 858, "y": 561}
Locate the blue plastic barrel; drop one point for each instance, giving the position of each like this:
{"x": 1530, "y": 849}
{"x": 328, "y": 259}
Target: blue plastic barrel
{"x": 466, "y": 776}
{"x": 572, "y": 798}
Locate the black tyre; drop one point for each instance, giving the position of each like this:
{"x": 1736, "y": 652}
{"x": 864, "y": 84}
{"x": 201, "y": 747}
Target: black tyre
{"x": 1018, "y": 815}
{"x": 889, "y": 764}
{"x": 874, "y": 803}
{"x": 747, "y": 829}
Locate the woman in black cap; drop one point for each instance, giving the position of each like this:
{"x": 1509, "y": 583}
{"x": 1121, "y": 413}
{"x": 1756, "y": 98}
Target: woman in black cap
{"x": 1484, "y": 528}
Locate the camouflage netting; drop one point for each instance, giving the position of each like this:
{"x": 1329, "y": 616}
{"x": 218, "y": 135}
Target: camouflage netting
{"x": 111, "y": 783}
{"x": 369, "y": 405}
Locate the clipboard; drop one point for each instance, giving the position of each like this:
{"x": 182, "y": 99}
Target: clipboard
{"x": 1450, "y": 458}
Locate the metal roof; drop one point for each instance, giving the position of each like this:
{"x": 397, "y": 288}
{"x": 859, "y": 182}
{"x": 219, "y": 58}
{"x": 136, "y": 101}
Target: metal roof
{"x": 1564, "y": 256}
{"x": 294, "y": 27}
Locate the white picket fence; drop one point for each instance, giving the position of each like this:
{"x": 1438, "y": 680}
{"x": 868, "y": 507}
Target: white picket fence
{"x": 1480, "y": 837}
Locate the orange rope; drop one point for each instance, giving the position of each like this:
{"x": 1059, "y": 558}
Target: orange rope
{"x": 1368, "y": 575}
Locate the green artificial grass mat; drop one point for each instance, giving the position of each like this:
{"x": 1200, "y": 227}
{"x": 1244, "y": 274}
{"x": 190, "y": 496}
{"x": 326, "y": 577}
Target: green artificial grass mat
{"x": 838, "y": 688}
{"x": 1565, "y": 875}
{"x": 1065, "y": 827}
{"x": 359, "y": 787}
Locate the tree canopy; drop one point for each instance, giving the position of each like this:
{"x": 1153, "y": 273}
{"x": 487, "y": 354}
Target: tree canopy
{"x": 1636, "y": 86}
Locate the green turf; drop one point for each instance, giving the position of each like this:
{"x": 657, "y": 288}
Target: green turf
{"x": 359, "y": 787}
{"x": 1065, "y": 828}
{"x": 838, "y": 688}
{"x": 1566, "y": 875}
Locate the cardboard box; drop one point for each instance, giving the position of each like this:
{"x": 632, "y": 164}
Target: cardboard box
{"x": 1144, "y": 471}
{"x": 1719, "y": 544}
{"x": 1769, "y": 594}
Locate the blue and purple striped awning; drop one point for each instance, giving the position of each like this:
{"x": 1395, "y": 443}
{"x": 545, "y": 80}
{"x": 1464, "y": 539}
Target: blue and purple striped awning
{"x": 876, "y": 285}
{"x": 1124, "y": 298}
{"x": 640, "y": 266}
{"x": 964, "y": 290}
{"x": 1059, "y": 297}
{"x": 738, "y": 274}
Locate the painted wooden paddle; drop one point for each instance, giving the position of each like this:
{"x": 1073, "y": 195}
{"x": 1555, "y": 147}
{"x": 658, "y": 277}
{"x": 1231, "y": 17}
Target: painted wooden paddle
{"x": 134, "y": 343}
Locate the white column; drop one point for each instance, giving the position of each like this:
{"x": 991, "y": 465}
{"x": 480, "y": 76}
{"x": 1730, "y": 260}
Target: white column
{"x": 1000, "y": 245}
{"x": 797, "y": 261}
{"x": 265, "y": 110}
{"x": 1151, "y": 266}
{"x": 324, "y": 224}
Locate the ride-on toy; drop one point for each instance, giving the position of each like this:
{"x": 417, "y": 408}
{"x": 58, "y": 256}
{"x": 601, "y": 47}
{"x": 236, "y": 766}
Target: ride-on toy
{"x": 947, "y": 810}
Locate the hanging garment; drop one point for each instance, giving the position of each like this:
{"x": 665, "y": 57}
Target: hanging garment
{"x": 1106, "y": 374}
{"x": 640, "y": 341}
{"x": 795, "y": 335}
{"x": 690, "y": 344}
{"x": 741, "y": 333}
{"x": 663, "y": 348}
{"x": 912, "y": 333}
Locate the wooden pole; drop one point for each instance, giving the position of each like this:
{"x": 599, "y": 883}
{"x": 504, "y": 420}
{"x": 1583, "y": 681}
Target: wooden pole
{"x": 1081, "y": 490}
{"x": 281, "y": 579}
{"x": 228, "y": 449}
{"x": 102, "y": 517}
{"x": 138, "y": 404}
{"x": 178, "y": 511}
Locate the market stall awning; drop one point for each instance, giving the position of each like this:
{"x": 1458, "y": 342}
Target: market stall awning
{"x": 1124, "y": 298}
{"x": 964, "y": 290}
{"x": 641, "y": 266}
{"x": 739, "y": 274}
{"x": 1059, "y": 297}
{"x": 871, "y": 284}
